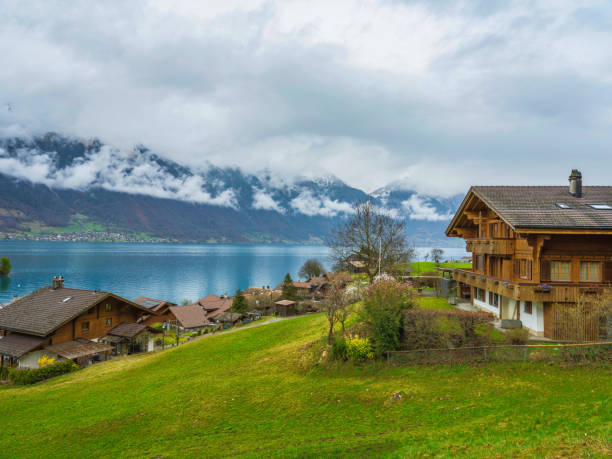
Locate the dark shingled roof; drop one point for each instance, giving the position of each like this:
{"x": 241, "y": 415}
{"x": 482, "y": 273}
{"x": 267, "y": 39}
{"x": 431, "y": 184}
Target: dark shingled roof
{"x": 78, "y": 348}
{"x": 129, "y": 329}
{"x": 190, "y": 316}
{"x": 536, "y": 206}
{"x": 16, "y": 344}
{"x": 44, "y": 310}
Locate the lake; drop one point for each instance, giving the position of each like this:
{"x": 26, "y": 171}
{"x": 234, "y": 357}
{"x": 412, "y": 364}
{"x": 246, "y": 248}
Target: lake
{"x": 173, "y": 272}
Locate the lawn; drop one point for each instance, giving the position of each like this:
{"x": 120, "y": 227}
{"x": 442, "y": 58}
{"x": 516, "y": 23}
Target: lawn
{"x": 430, "y": 302}
{"x": 246, "y": 393}
{"x": 420, "y": 267}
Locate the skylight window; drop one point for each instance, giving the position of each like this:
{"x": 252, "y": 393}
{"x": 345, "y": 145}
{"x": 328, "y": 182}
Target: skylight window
{"x": 562, "y": 205}
{"x": 601, "y": 206}
{"x": 65, "y": 300}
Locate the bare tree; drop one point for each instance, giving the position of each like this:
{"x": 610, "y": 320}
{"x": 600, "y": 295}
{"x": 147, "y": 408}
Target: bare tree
{"x": 334, "y": 302}
{"x": 436, "y": 255}
{"x": 368, "y": 233}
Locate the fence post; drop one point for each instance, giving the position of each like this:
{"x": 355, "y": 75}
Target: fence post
{"x": 485, "y": 354}
{"x": 525, "y": 354}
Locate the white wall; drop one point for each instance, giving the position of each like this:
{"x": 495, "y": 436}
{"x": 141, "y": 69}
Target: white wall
{"x": 535, "y": 320}
{"x": 30, "y": 360}
{"x": 485, "y": 304}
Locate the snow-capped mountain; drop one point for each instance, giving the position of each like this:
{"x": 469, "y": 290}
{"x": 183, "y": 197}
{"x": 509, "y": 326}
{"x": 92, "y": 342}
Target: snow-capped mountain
{"x": 46, "y": 181}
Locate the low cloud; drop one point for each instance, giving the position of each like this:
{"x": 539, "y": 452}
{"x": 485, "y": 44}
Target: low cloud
{"x": 308, "y": 204}
{"x": 418, "y": 209}
{"x": 263, "y": 201}
{"x": 114, "y": 170}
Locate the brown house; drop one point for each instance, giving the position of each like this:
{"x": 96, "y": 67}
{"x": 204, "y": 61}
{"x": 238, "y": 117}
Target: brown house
{"x": 214, "y": 305}
{"x": 160, "y": 310}
{"x": 285, "y": 308}
{"x": 190, "y": 317}
{"x": 537, "y": 253}
{"x": 33, "y": 326}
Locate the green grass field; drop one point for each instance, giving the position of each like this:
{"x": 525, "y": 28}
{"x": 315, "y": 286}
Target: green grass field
{"x": 249, "y": 393}
{"x": 420, "y": 267}
{"x": 430, "y": 302}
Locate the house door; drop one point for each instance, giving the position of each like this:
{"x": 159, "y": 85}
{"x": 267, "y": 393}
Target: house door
{"x": 548, "y": 320}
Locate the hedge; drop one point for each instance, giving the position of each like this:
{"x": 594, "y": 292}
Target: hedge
{"x": 30, "y": 376}
{"x": 447, "y": 328}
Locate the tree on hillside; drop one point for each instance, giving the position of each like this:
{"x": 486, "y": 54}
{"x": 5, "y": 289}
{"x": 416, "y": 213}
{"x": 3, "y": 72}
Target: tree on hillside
{"x": 311, "y": 268}
{"x": 289, "y": 290}
{"x": 5, "y": 266}
{"x": 436, "y": 256}
{"x": 333, "y": 305}
{"x": 186, "y": 302}
{"x": 239, "y": 303}
{"x": 368, "y": 232}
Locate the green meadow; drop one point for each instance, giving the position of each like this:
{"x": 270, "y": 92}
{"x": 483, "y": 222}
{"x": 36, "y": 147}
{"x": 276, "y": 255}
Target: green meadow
{"x": 259, "y": 392}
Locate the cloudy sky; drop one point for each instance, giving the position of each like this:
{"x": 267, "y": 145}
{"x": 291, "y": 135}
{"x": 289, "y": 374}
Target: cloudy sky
{"x": 437, "y": 95}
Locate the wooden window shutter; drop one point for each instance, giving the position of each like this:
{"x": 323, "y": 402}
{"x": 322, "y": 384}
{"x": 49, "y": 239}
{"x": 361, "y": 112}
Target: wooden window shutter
{"x": 607, "y": 271}
{"x": 517, "y": 268}
{"x": 529, "y": 269}
{"x": 545, "y": 271}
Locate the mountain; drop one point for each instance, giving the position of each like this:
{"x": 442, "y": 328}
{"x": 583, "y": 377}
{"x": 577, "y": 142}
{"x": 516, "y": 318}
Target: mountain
{"x": 57, "y": 184}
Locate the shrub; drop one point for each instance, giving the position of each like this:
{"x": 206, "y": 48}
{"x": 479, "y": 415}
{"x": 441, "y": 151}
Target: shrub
{"x": 30, "y": 376}
{"x": 517, "y": 336}
{"x": 158, "y": 326}
{"x": 339, "y": 349}
{"x": 45, "y": 360}
{"x": 443, "y": 328}
{"x": 383, "y": 304}
{"x": 359, "y": 349}
{"x": 3, "y": 373}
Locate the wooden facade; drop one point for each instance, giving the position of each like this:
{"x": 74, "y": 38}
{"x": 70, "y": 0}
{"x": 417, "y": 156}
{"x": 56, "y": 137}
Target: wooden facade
{"x": 519, "y": 267}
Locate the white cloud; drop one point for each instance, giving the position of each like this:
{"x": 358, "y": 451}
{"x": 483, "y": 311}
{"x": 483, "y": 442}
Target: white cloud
{"x": 262, "y": 200}
{"x": 440, "y": 93}
{"x": 418, "y": 209}
{"x": 308, "y": 204}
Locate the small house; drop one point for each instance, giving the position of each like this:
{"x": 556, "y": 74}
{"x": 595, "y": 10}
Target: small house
{"x": 190, "y": 317}
{"x": 285, "y": 308}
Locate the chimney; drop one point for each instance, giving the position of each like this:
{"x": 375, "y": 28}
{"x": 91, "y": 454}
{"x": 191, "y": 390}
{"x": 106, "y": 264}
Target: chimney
{"x": 54, "y": 283}
{"x": 60, "y": 282}
{"x": 575, "y": 183}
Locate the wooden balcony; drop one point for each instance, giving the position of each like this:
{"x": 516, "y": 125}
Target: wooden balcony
{"x": 552, "y": 292}
{"x": 489, "y": 246}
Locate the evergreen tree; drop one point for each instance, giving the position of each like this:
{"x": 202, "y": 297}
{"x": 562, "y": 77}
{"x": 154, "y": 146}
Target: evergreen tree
{"x": 5, "y": 266}
{"x": 289, "y": 290}
{"x": 239, "y": 304}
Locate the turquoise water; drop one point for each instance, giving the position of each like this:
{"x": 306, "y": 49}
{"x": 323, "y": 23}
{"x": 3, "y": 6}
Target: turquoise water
{"x": 173, "y": 272}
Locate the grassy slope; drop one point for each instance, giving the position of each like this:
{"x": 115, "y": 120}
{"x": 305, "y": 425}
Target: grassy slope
{"x": 243, "y": 393}
{"x": 431, "y": 302}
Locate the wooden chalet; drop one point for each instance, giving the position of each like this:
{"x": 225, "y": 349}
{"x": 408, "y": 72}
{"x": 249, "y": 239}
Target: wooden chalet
{"x": 285, "y": 308}
{"x": 62, "y": 323}
{"x": 190, "y": 317}
{"x": 213, "y": 305}
{"x": 160, "y": 310}
{"x": 537, "y": 253}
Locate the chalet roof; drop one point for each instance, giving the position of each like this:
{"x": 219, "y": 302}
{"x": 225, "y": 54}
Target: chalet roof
{"x": 357, "y": 263}
{"x": 47, "y": 309}
{"x": 78, "y": 348}
{"x": 152, "y": 303}
{"x": 302, "y": 285}
{"x": 284, "y": 303}
{"x": 128, "y": 329}
{"x": 537, "y": 206}
{"x": 190, "y": 316}
{"x": 339, "y": 277}
{"x": 213, "y": 302}
{"x": 229, "y": 317}
{"x": 16, "y": 344}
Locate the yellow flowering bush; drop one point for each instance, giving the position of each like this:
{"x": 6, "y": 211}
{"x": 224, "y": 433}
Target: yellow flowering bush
{"x": 358, "y": 349}
{"x": 45, "y": 360}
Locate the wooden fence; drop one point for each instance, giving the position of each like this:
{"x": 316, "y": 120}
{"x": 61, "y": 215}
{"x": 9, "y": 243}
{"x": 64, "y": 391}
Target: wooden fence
{"x": 574, "y": 353}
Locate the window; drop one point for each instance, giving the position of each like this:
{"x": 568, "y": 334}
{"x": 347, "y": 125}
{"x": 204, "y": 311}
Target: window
{"x": 527, "y": 309}
{"x": 601, "y": 206}
{"x": 524, "y": 268}
{"x": 494, "y": 266}
{"x": 109, "y": 321}
{"x": 480, "y": 294}
{"x": 493, "y": 299}
{"x": 560, "y": 271}
{"x": 590, "y": 271}
{"x": 85, "y": 325}
{"x": 480, "y": 263}
{"x": 562, "y": 205}
{"x": 109, "y": 307}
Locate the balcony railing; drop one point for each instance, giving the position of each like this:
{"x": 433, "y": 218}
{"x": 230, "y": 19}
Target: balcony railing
{"x": 488, "y": 246}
